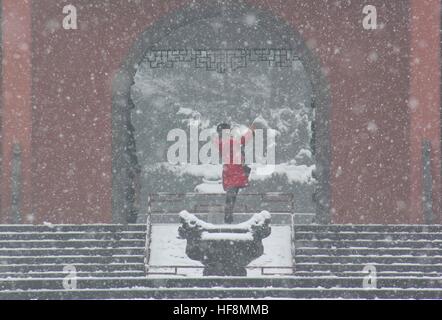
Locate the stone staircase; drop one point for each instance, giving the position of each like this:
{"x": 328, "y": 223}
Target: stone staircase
{"x": 407, "y": 260}
{"x": 330, "y": 262}
{"x": 395, "y": 251}
{"x": 94, "y": 250}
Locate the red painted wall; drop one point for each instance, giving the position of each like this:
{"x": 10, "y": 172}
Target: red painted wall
{"x": 376, "y": 161}
{"x": 73, "y": 73}
{"x": 425, "y": 95}
{"x": 368, "y": 76}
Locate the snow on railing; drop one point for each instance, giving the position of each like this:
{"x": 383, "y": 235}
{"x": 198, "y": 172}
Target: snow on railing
{"x": 203, "y": 202}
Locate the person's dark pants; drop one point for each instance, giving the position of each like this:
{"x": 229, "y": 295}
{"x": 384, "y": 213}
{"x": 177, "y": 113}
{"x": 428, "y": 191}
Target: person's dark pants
{"x": 230, "y": 204}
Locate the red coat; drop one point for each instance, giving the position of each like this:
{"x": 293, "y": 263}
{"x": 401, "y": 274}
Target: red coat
{"x": 234, "y": 175}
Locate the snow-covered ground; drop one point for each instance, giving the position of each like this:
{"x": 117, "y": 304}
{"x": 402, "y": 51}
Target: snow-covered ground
{"x": 294, "y": 173}
{"x": 168, "y": 250}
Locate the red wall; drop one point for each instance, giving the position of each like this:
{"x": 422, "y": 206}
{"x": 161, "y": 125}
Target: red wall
{"x": 375, "y": 174}
{"x": 369, "y": 168}
{"x": 425, "y": 92}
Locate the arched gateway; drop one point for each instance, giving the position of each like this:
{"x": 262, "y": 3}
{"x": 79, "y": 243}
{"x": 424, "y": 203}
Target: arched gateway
{"x": 213, "y": 44}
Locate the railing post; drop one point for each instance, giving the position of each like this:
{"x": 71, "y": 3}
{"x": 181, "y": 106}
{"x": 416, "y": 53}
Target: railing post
{"x": 292, "y": 242}
{"x": 292, "y": 229}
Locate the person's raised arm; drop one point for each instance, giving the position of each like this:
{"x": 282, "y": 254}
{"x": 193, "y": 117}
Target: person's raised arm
{"x": 249, "y": 134}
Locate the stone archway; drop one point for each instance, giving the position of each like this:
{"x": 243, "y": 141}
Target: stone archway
{"x": 124, "y": 162}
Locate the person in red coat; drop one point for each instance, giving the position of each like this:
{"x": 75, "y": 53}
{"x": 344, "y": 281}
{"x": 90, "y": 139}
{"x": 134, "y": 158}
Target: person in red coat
{"x": 235, "y": 172}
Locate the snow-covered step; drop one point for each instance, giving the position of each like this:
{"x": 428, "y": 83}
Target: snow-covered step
{"x": 65, "y": 260}
{"x": 368, "y": 236}
{"x": 369, "y": 251}
{"x": 77, "y": 243}
{"x": 402, "y": 274}
{"x": 367, "y": 243}
{"x": 80, "y": 267}
{"x": 369, "y": 259}
{"x": 79, "y": 275}
{"x": 346, "y": 267}
{"x": 207, "y": 284}
{"x": 71, "y": 251}
{"x": 368, "y": 228}
{"x": 8, "y": 236}
{"x": 223, "y": 293}
{"x": 72, "y": 228}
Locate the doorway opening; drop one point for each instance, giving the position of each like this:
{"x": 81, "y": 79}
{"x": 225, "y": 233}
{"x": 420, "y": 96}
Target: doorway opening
{"x": 217, "y": 64}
